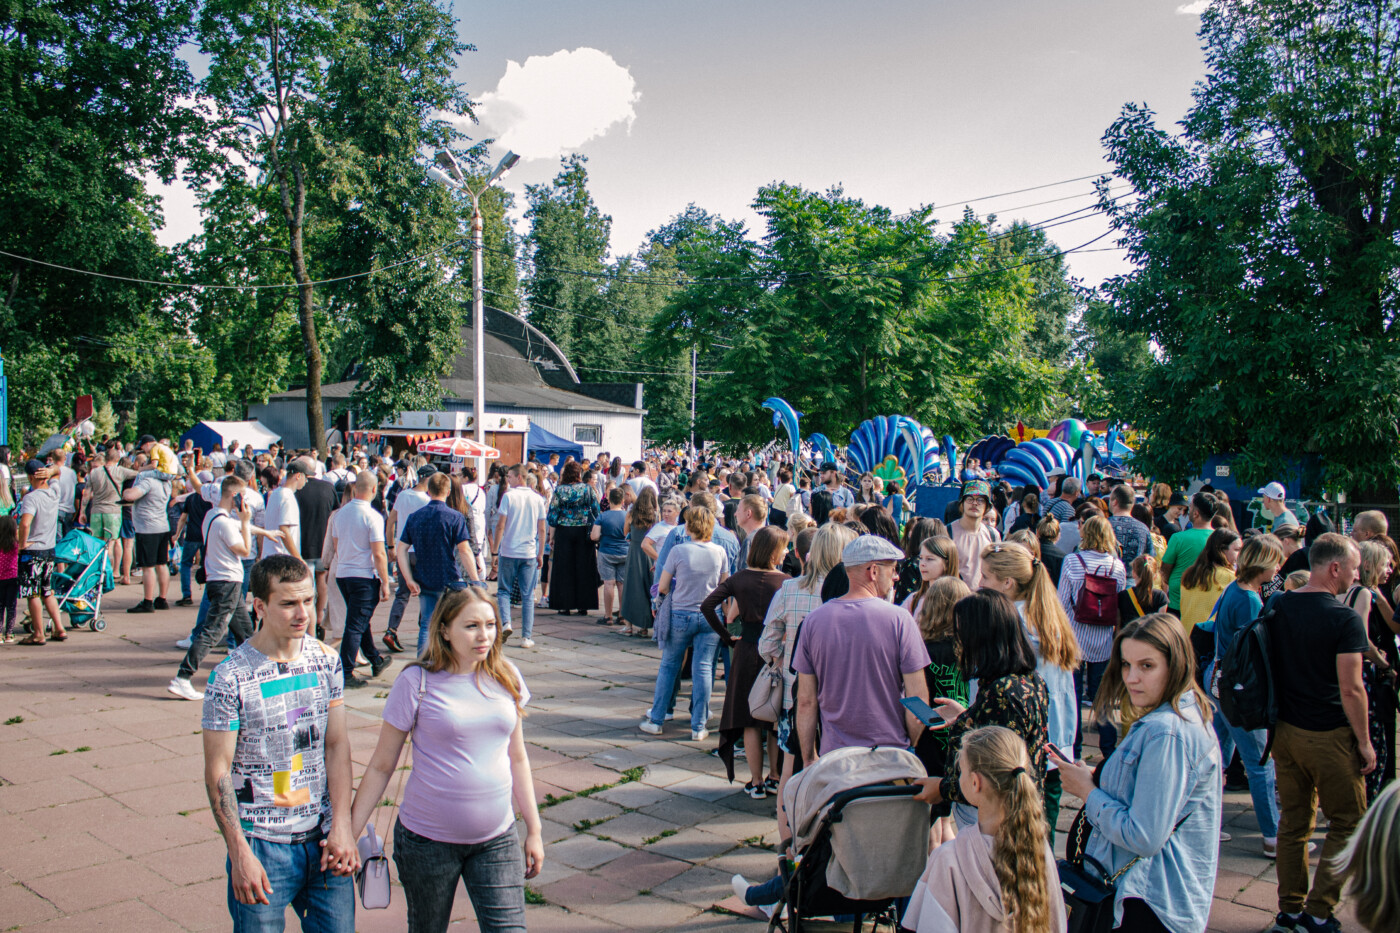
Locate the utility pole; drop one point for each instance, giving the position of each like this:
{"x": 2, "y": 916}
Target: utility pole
{"x": 693, "y": 356}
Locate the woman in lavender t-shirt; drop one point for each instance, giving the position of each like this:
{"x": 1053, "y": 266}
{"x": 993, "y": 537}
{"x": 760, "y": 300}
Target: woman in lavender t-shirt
{"x": 462, "y": 702}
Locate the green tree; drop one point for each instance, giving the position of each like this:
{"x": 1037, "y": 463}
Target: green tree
{"x": 568, "y": 246}
{"x": 89, "y": 102}
{"x": 1265, "y": 239}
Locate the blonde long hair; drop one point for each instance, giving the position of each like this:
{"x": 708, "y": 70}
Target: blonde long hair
{"x": 437, "y": 653}
{"x": 1368, "y": 859}
{"x": 827, "y": 546}
{"x": 935, "y": 616}
{"x": 1044, "y": 613}
{"x": 1018, "y": 848}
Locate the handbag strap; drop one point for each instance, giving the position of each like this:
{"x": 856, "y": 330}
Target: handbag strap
{"x": 1138, "y": 858}
{"x": 1136, "y": 605}
{"x": 408, "y": 765}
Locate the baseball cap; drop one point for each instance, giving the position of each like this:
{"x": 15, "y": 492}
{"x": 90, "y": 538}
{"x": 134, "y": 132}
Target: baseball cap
{"x": 1274, "y": 491}
{"x": 975, "y": 487}
{"x": 867, "y": 548}
{"x": 35, "y": 466}
{"x": 205, "y": 476}
{"x": 296, "y": 466}
{"x": 1054, "y": 472}
{"x": 425, "y": 471}
{"x": 1176, "y": 499}
{"x": 146, "y": 439}
{"x": 828, "y": 465}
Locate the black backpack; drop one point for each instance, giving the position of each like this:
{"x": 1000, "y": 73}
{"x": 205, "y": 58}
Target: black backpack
{"x": 1246, "y": 681}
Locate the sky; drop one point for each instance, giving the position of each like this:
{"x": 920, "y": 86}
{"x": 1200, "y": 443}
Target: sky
{"x": 900, "y": 102}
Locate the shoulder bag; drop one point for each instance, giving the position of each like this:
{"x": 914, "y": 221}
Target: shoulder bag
{"x": 373, "y": 877}
{"x": 766, "y": 695}
{"x": 1090, "y": 894}
{"x": 201, "y": 576}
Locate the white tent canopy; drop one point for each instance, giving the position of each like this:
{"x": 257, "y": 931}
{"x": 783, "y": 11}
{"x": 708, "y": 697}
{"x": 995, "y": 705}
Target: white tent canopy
{"x": 251, "y": 434}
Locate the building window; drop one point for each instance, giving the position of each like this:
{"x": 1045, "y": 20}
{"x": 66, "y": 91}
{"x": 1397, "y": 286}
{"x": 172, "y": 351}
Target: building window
{"x": 588, "y": 434}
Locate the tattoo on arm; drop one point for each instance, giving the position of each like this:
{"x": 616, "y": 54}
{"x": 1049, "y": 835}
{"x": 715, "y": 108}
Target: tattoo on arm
{"x": 225, "y": 807}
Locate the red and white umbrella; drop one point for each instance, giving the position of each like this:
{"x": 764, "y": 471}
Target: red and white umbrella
{"x": 460, "y": 447}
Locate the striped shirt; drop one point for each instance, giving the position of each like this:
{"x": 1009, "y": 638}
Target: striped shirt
{"x": 1095, "y": 641}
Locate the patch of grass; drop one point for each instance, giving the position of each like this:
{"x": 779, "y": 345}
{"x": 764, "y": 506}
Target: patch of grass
{"x": 628, "y": 776}
{"x": 386, "y": 802}
{"x": 604, "y": 838}
{"x": 633, "y": 774}
{"x": 83, "y": 748}
{"x": 185, "y": 812}
{"x": 582, "y": 825}
{"x": 665, "y": 833}
{"x": 58, "y": 751}
{"x": 533, "y": 897}
{"x": 756, "y": 841}
{"x": 197, "y": 732}
{"x": 14, "y": 721}
{"x": 644, "y": 892}
{"x": 381, "y": 694}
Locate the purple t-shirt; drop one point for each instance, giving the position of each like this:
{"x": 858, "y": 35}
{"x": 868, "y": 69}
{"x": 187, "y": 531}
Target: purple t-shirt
{"x": 459, "y": 788}
{"x": 859, "y": 650}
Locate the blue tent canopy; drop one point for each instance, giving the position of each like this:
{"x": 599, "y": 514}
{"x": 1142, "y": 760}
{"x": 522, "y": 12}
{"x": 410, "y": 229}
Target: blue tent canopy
{"x": 542, "y": 443}
{"x": 206, "y": 434}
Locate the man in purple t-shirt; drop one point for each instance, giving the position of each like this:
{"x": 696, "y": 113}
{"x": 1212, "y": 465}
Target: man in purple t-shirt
{"x": 858, "y": 655}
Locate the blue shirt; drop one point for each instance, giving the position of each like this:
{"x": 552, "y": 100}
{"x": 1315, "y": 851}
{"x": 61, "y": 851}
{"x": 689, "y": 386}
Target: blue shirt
{"x": 1236, "y": 609}
{"x": 612, "y": 541}
{"x": 435, "y": 530}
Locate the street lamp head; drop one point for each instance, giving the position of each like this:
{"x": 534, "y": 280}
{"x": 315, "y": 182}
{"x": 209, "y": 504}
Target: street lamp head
{"x": 505, "y": 165}
{"x": 449, "y": 164}
{"x": 441, "y": 177}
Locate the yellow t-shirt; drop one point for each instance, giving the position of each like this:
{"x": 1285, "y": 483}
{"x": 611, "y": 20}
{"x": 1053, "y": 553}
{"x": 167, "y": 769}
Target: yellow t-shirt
{"x": 165, "y": 459}
{"x": 1197, "y": 604}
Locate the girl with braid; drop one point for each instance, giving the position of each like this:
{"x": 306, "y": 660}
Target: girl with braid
{"x": 1000, "y": 876}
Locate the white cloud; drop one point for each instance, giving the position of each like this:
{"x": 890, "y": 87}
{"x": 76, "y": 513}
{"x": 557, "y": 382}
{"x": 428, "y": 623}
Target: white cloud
{"x": 1195, "y": 8}
{"x": 556, "y": 103}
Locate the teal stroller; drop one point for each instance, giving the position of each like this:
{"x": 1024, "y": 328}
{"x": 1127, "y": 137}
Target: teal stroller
{"x": 85, "y": 575}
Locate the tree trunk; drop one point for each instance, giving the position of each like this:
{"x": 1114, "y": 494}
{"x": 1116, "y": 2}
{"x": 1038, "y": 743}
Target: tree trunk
{"x": 306, "y": 307}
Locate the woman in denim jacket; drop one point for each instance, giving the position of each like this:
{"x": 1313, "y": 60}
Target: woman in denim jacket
{"x": 1156, "y": 811}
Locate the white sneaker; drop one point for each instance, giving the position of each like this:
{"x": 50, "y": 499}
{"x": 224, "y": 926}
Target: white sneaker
{"x": 184, "y": 643}
{"x": 699, "y": 736}
{"x": 527, "y": 643}
{"x": 670, "y": 716}
{"x": 649, "y": 727}
{"x": 183, "y": 689}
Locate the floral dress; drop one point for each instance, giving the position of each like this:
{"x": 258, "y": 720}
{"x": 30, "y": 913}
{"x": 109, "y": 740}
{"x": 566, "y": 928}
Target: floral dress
{"x": 1019, "y": 702}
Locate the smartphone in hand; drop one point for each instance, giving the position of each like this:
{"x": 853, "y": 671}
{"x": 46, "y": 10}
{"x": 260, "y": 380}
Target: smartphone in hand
{"x": 923, "y": 712}
{"x": 1055, "y": 750}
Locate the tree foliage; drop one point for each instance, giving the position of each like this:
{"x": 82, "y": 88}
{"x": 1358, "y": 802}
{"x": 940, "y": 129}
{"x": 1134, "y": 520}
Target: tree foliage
{"x": 1265, "y": 238}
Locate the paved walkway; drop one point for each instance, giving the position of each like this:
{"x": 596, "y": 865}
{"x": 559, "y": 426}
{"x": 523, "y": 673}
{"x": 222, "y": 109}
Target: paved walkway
{"x": 105, "y": 824}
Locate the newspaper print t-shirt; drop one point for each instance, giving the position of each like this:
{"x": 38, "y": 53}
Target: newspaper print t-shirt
{"x": 279, "y": 710}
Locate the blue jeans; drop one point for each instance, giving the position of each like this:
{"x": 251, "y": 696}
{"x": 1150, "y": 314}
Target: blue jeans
{"x": 688, "y": 630}
{"x": 516, "y": 578}
{"x": 493, "y": 872}
{"x": 1261, "y": 777}
{"x": 187, "y": 552}
{"x": 427, "y": 605}
{"x": 324, "y": 902}
{"x": 361, "y": 595}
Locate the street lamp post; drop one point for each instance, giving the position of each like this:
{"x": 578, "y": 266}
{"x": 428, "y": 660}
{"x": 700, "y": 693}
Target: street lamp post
{"x": 451, "y": 175}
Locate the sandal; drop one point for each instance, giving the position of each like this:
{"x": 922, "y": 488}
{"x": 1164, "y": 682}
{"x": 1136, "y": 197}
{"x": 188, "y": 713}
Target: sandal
{"x": 58, "y": 637}
{"x": 31, "y": 640}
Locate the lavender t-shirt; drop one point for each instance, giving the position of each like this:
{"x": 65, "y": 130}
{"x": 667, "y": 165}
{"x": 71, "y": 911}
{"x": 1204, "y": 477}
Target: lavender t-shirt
{"x": 859, "y": 650}
{"x": 459, "y": 790}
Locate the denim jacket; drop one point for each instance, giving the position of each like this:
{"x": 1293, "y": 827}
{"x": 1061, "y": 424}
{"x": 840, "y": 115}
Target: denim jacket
{"x": 1166, "y": 768}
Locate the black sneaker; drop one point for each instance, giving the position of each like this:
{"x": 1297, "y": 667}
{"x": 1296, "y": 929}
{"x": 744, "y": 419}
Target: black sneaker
{"x": 185, "y": 601}
{"x": 160, "y": 603}
{"x": 380, "y": 666}
{"x": 144, "y": 605}
{"x": 1330, "y": 925}
{"x": 354, "y": 683}
{"x": 1285, "y": 924}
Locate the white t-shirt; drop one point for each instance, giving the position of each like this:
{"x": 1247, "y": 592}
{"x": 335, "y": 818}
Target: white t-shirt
{"x": 282, "y": 509}
{"x": 658, "y": 533}
{"x": 408, "y": 502}
{"x": 221, "y": 564}
{"x": 522, "y": 510}
{"x": 355, "y": 528}
{"x": 476, "y": 498}
{"x": 638, "y": 483}
{"x": 217, "y": 459}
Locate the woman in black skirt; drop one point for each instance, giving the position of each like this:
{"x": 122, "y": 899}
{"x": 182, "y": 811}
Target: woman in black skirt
{"x": 752, "y": 589}
{"x": 573, "y": 584}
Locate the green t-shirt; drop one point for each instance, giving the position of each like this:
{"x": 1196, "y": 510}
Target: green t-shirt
{"x": 1182, "y": 551}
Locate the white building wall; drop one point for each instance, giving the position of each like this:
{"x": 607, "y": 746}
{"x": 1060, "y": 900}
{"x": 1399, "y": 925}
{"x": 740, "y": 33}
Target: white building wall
{"x": 621, "y": 432}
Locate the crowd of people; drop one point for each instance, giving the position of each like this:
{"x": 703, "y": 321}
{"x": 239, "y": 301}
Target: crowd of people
{"x": 1025, "y": 618}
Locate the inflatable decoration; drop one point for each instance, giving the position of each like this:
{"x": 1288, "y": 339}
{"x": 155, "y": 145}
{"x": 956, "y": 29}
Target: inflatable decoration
{"x": 785, "y": 417}
{"x": 888, "y": 471}
{"x": 1069, "y": 431}
{"x": 1086, "y": 458}
{"x": 1031, "y": 463}
{"x": 910, "y": 442}
{"x": 823, "y": 447}
{"x": 991, "y": 449}
{"x": 950, "y": 455}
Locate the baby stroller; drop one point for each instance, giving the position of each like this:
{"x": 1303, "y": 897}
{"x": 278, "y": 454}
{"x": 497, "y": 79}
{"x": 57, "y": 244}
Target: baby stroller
{"x": 79, "y": 586}
{"x": 860, "y": 836}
